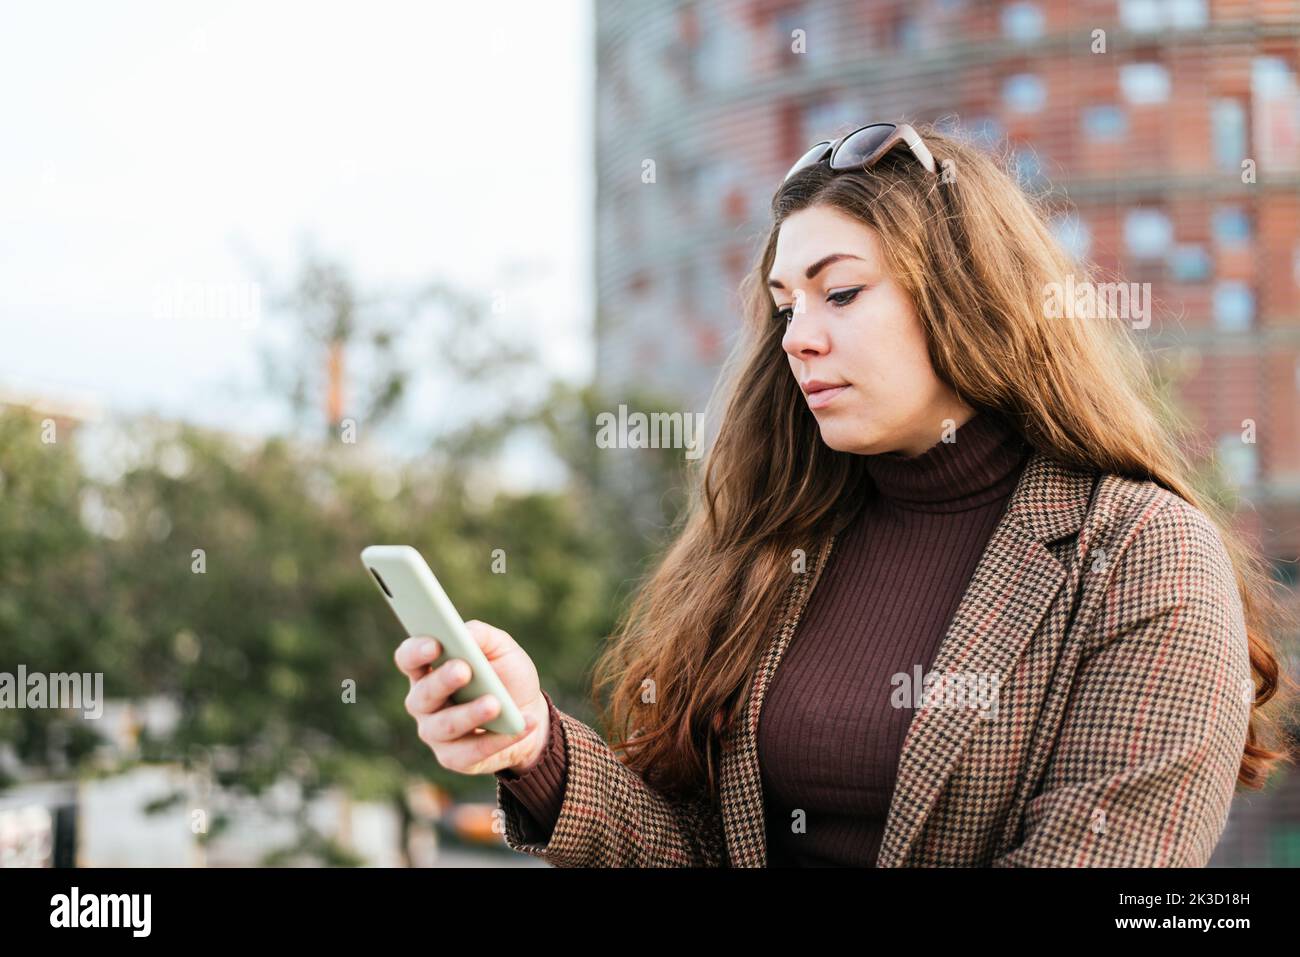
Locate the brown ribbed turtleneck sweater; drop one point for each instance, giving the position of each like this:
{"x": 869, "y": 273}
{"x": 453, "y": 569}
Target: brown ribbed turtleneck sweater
{"x": 829, "y": 739}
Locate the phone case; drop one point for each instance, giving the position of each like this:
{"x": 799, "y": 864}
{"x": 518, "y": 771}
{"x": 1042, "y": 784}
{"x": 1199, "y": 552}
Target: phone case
{"x": 411, "y": 590}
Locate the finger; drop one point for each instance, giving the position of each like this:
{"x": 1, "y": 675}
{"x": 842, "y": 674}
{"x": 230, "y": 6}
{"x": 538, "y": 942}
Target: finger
{"x": 481, "y": 752}
{"x": 414, "y": 654}
{"x": 458, "y": 720}
{"x": 492, "y": 641}
{"x": 431, "y": 692}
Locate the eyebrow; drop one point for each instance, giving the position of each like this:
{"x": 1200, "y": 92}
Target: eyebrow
{"x": 817, "y": 267}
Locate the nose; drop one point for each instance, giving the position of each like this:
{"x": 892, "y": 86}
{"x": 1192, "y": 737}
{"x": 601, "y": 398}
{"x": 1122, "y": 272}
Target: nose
{"x": 805, "y": 335}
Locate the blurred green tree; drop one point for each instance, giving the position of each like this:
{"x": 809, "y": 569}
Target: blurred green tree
{"x": 223, "y": 574}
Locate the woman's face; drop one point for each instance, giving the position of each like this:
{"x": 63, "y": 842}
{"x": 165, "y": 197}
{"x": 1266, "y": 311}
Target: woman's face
{"x": 849, "y": 326}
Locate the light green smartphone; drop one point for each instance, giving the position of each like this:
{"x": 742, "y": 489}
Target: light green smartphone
{"x": 423, "y": 608}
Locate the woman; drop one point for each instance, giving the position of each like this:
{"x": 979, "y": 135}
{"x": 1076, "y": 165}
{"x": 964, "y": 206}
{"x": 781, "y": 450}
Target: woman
{"x": 1009, "y": 631}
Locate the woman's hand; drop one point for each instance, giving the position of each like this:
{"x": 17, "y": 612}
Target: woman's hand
{"x": 452, "y": 730}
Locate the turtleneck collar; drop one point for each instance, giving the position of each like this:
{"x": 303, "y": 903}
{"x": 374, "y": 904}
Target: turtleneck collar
{"x": 981, "y": 464}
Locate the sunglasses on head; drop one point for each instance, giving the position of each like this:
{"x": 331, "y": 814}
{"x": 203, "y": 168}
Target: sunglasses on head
{"x": 863, "y": 147}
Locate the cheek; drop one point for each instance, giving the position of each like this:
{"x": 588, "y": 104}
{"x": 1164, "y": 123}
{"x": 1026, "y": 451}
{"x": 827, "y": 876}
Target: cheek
{"x": 887, "y": 360}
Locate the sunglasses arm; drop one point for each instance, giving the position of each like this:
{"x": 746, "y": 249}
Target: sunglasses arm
{"x": 918, "y": 147}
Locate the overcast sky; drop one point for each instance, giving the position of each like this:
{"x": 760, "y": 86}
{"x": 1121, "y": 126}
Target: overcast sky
{"x": 144, "y": 143}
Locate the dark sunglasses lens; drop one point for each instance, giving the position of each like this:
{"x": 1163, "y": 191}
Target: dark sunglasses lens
{"x": 857, "y": 149}
{"x": 814, "y": 155}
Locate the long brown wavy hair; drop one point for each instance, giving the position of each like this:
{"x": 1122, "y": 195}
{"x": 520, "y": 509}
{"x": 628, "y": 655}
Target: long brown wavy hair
{"x": 686, "y": 649}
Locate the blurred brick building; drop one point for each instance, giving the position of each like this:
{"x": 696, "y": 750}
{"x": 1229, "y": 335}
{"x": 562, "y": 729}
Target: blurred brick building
{"x": 1172, "y": 126}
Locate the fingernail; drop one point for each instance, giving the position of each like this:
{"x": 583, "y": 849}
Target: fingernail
{"x": 429, "y": 648}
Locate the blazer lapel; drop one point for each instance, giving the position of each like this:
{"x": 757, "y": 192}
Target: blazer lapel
{"x": 1011, "y": 589}
{"x": 741, "y": 786}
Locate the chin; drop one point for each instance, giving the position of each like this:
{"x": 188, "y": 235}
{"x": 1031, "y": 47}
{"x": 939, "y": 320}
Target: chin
{"x": 848, "y": 434}
{"x": 840, "y": 438}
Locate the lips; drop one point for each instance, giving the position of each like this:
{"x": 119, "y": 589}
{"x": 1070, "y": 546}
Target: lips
{"x": 821, "y": 394}
{"x": 823, "y": 397}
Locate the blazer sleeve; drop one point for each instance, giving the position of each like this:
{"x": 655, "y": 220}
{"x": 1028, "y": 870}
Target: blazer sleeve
{"x": 1145, "y": 763}
{"x": 608, "y": 816}
{"x": 540, "y": 789}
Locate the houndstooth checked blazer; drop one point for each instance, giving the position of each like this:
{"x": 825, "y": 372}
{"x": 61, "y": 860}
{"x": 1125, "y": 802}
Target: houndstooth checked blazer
{"x": 1109, "y": 609}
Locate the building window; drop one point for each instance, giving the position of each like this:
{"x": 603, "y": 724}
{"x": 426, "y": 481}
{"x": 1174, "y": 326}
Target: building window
{"x": 1231, "y": 227}
{"x": 786, "y": 24}
{"x": 1234, "y": 305}
{"x": 827, "y": 119}
{"x": 1022, "y": 21}
{"x": 1073, "y": 234}
{"x": 1147, "y": 233}
{"x": 1144, "y": 83}
{"x": 1237, "y": 458}
{"x": 907, "y": 33}
{"x": 722, "y": 53}
{"x": 1140, "y": 14}
{"x": 1275, "y": 112}
{"x": 1228, "y": 123}
{"x": 1189, "y": 263}
{"x": 1024, "y": 93}
{"x": 1270, "y": 76}
{"x": 1104, "y": 122}
{"x": 1147, "y": 15}
{"x": 1182, "y": 14}
{"x": 1028, "y": 167}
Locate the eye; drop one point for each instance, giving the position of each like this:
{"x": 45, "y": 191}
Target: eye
{"x": 845, "y": 297}
{"x": 841, "y": 299}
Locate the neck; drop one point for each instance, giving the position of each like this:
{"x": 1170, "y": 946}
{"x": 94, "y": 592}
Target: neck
{"x": 924, "y": 441}
{"x": 980, "y": 464}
